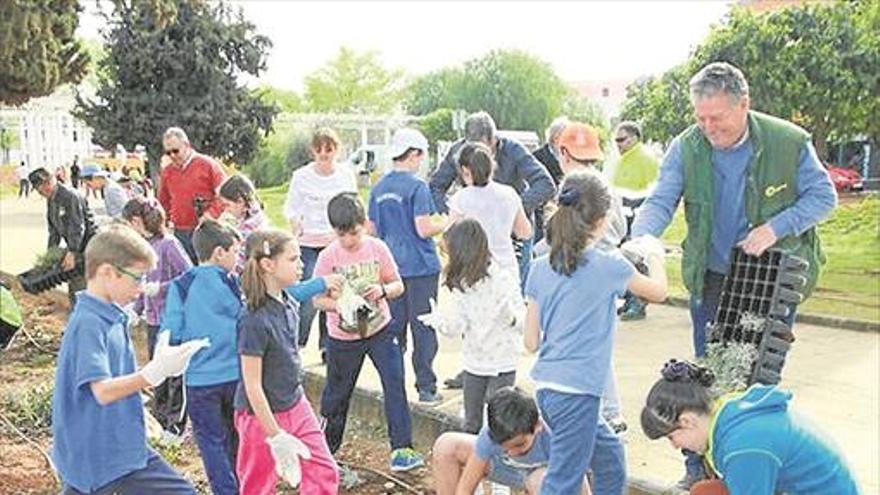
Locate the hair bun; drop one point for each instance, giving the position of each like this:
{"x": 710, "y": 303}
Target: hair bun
{"x": 685, "y": 371}
{"x": 569, "y": 196}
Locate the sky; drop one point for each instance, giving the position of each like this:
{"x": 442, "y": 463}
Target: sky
{"x": 582, "y": 40}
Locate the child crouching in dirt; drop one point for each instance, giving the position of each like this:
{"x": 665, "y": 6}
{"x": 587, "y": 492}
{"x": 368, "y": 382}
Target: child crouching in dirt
{"x": 97, "y": 413}
{"x": 513, "y": 450}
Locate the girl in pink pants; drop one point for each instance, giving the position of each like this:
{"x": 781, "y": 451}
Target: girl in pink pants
{"x": 279, "y": 436}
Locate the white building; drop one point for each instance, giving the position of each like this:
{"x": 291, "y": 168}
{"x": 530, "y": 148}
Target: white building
{"x": 48, "y": 135}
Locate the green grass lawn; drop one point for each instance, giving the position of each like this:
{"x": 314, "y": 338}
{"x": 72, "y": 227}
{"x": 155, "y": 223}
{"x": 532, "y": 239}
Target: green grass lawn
{"x": 848, "y": 287}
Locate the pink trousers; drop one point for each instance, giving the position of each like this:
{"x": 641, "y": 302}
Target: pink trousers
{"x": 256, "y": 467}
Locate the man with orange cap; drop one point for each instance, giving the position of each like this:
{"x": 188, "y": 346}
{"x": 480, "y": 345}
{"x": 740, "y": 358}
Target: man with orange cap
{"x": 579, "y": 149}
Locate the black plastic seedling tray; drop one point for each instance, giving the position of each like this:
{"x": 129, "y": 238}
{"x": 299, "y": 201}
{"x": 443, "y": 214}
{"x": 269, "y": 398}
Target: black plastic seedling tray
{"x": 758, "y": 294}
{"x": 36, "y": 280}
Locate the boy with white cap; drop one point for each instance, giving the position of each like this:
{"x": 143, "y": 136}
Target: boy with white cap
{"x": 400, "y": 210}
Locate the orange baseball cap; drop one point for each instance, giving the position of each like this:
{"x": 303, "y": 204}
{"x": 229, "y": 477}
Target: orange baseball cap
{"x": 581, "y": 141}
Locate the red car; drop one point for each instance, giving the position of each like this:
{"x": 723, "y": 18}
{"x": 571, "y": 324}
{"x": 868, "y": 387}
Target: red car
{"x": 845, "y": 179}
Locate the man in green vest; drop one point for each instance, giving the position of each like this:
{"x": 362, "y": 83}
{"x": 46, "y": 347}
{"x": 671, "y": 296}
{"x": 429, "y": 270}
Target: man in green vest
{"x": 747, "y": 179}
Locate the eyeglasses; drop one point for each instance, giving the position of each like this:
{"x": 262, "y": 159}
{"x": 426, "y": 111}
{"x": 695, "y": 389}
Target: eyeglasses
{"x": 139, "y": 278}
{"x": 621, "y": 139}
{"x": 172, "y": 151}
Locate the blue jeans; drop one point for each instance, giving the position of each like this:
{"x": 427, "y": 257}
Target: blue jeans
{"x": 344, "y": 361}
{"x": 581, "y": 440}
{"x": 157, "y": 477}
{"x": 306, "y": 308}
{"x": 703, "y": 309}
{"x": 405, "y": 310}
{"x": 186, "y": 239}
{"x": 211, "y": 410}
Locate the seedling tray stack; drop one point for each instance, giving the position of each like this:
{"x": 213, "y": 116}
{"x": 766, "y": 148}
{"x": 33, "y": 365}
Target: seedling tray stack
{"x": 758, "y": 294}
{"x": 37, "y": 280}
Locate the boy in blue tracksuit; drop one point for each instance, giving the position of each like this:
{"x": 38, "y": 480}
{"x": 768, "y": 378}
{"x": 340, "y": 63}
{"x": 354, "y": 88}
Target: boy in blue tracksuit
{"x": 750, "y": 438}
{"x": 400, "y": 210}
{"x": 206, "y": 302}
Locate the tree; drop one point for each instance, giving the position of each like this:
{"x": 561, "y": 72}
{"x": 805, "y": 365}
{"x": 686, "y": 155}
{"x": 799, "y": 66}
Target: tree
{"x": 354, "y": 83}
{"x": 817, "y": 65}
{"x": 38, "y": 50}
{"x": 183, "y": 74}
{"x": 519, "y": 90}
{"x": 812, "y": 64}
{"x": 434, "y": 91}
{"x": 661, "y": 105}
{"x": 286, "y": 100}
{"x": 581, "y": 109}
{"x": 437, "y": 126}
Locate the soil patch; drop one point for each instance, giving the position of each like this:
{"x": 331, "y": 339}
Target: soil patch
{"x": 30, "y": 362}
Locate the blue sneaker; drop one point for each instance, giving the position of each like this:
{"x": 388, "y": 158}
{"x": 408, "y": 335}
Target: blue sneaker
{"x": 406, "y": 459}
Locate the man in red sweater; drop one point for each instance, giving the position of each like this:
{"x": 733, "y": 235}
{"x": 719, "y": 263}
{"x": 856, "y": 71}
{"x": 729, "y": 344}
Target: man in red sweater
{"x": 188, "y": 186}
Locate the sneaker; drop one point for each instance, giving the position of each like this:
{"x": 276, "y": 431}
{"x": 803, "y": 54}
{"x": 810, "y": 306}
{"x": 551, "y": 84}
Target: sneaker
{"x": 633, "y": 313}
{"x": 618, "y": 425}
{"x": 406, "y": 459}
{"x": 430, "y": 398}
{"x": 456, "y": 382}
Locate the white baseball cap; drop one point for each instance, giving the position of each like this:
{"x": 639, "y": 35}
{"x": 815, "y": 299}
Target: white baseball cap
{"x": 407, "y": 138}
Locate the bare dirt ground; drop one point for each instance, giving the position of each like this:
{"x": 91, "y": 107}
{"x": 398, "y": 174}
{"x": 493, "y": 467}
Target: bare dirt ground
{"x": 29, "y": 363}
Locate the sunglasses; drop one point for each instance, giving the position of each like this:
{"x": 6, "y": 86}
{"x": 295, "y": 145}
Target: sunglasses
{"x": 173, "y": 151}
{"x": 140, "y": 278}
{"x": 621, "y": 139}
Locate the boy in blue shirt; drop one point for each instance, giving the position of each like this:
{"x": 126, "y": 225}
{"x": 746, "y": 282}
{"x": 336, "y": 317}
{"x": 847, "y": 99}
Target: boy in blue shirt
{"x": 97, "y": 413}
{"x": 512, "y": 450}
{"x": 206, "y": 302}
{"x": 400, "y": 210}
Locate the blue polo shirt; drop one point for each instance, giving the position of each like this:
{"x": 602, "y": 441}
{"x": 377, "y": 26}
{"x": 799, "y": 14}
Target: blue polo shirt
{"x": 395, "y": 202}
{"x": 95, "y": 444}
{"x": 578, "y": 316}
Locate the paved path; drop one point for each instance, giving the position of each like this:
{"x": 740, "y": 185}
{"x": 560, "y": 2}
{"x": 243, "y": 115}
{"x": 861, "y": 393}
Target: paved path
{"x": 834, "y": 374}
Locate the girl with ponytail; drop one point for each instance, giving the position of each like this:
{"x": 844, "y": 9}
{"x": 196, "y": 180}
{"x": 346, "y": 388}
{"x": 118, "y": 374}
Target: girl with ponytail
{"x": 279, "y": 434}
{"x": 570, "y": 322}
{"x": 750, "y": 439}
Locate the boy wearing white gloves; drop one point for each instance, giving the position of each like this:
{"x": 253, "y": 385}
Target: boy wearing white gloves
{"x": 97, "y": 413}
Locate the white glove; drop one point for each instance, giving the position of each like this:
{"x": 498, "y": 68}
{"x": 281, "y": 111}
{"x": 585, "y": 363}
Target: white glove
{"x": 150, "y": 289}
{"x": 170, "y": 360}
{"x": 286, "y": 450}
{"x": 641, "y": 248}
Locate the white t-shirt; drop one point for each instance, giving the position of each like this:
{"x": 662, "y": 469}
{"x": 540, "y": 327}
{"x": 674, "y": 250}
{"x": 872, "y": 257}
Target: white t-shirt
{"x": 495, "y": 207}
{"x": 307, "y": 198}
{"x": 490, "y": 315}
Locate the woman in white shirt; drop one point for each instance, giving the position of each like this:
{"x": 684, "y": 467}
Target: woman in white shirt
{"x": 311, "y": 188}
{"x": 497, "y": 207}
